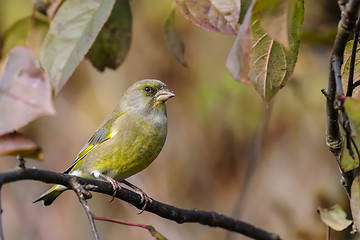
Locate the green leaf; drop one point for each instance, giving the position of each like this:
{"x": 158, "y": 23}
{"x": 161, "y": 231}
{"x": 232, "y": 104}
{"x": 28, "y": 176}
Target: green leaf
{"x": 213, "y": 15}
{"x": 155, "y": 234}
{"x": 173, "y": 40}
{"x": 271, "y": 63}
{"x": 72, "y": 32}
{"x": 29, "y": 31}
{"x": 17, "y": 144}
{"x": 24, "y": 93}
{"x": 345, "y": 67}
{"x": 113, "y": 42}
{"x": 355, "y": 201}
{"x": 352, "y": 109}
{"x": 347, "y": 162}
{"x": 334, "y": 217}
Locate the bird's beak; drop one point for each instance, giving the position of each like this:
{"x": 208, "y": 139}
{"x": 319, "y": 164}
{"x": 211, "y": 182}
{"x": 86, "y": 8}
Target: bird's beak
{"x": 164, "y": 94}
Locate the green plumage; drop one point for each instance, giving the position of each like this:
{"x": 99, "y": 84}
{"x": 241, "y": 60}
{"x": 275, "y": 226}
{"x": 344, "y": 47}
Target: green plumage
{"x": 128, "y": 140}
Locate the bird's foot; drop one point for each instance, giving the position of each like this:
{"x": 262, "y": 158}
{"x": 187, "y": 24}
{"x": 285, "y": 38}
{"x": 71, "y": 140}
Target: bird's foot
{"x": 144, "y": 197}
{"x": 114, "y": 183}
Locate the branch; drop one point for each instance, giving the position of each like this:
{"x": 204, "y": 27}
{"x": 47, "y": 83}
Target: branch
{"x": 178, "y": 215}
{"x": 82, "y": 195}
{"x": 333, "y": 91}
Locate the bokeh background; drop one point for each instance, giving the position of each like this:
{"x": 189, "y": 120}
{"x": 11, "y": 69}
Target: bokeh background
{"x": 226, "y": 151}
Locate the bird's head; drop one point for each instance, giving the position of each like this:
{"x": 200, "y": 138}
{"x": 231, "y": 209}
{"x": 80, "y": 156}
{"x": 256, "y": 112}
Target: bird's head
{"x": 146, "y": 95}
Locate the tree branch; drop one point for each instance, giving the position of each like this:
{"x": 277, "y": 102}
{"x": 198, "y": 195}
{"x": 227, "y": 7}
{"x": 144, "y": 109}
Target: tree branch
{"x": 334, "y": 139}
{"x": 178, "y": 215}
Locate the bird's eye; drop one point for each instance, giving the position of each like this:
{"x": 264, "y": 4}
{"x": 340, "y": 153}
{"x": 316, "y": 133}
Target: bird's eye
{"x": 147, "y": 89}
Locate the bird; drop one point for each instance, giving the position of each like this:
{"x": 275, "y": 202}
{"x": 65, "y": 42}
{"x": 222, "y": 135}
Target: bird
{"x": 127, "y": 141}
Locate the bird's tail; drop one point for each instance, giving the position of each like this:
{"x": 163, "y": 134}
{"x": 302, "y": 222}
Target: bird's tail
{"x": 51, "y": 195}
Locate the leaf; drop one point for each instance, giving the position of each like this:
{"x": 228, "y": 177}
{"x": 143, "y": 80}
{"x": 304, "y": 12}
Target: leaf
{"x": 347, "y": 162}
{"x": 273, "y": 17}
{"x": 24, "y": 93}
{"x": 244, "y": 7}
{"x": 355, "y": 201}
{"x": 213, "y": 15}
{"x": 271, "y": 63}
{"x": 352, "y": 109}
{"x": 17, "y": 144}
{"x": 71, "y": 34}
{"x": 345, "y": 67}
{"x": 155, "y": 234}
{"x": 113, "y": 42}
{"x": 238, "y": 61}
{"x": 173, "y": 40}
{"x": 29, "y": 31}
{"x": 334, "y": 217}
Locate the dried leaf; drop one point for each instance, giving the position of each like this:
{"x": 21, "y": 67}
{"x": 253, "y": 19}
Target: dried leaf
{"x": 113, "y": 42}
{"x": 213, "y": 15}
{"x": 24, "y": 93}
{"x": 355, "y": 201}
{"x": 53, "y": 7}
{"x": 238, "y": 60}
{"x": 345, "y": 67}
{"x": 244, "y": 7}
{"x": 17, "y": 144}
{"x": 29, "y": 31}
{"x": 71, "y": 34}
{"x": 273, "y": 17}
{"x": 334, "y": 217}
{"x": 173, "y": 40}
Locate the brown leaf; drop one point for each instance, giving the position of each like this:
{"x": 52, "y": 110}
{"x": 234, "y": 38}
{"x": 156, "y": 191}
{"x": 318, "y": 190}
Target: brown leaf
{"x": 24, "y": 93}
{"x": 238, "y": 61}
{"x": 355, "y": 201}
{"x": 173, "y": 40}
{"x": 273, "y": 16}
{"x": 17, "y": 144}
{"x": 213, "y": 15}
{"x": 334, "y": 217}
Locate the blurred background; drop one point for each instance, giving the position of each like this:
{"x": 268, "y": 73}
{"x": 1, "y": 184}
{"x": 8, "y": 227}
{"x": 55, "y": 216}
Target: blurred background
{"x": 226, "y": 150}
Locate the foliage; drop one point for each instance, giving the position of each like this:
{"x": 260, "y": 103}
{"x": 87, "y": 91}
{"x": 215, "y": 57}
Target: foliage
{"x": 264, "y": 53}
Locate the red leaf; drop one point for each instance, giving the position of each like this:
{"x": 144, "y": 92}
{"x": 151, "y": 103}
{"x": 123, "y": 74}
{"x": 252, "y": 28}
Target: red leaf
{"x": 213, "y": 15}
{"x": 17, "y": 144}
{"x": 24, "y": 93}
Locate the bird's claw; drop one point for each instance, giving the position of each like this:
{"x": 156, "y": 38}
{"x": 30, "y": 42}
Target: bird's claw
{"x": 114, "y": 183}
{"x": 144, "y": 199}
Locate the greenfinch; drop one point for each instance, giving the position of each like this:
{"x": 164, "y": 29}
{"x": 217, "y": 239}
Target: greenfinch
{"x": 127, "y": 141}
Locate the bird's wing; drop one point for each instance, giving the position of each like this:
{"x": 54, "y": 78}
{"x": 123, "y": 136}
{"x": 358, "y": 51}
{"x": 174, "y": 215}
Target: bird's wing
{"x": 100, "y": 136}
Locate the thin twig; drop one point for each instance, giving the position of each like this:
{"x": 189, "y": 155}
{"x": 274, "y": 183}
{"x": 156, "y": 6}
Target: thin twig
{"x": 350, "y": 86}
{"x": 81, "y": 193}
{"x": 1, "y": 211}
{"x": 155, "y": 234}
{"x": 178, "y": 215}
{"x": 336, "y": 64}
{"x": 252, "y": 165}
{"x": 356, "y": 84}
